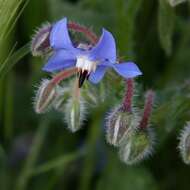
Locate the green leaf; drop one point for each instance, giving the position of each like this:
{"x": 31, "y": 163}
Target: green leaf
{"x": 166, "y": 20}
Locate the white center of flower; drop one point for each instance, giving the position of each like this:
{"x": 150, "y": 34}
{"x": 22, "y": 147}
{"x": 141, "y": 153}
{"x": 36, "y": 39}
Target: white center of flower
{"x": 84, "y": 63}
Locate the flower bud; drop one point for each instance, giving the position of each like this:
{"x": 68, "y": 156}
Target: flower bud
{"x": 61, "y": 97}
{"x": 184, "y": 144}
{"x": 137, "y": 147}
{"x": 175, "y": 2}
{"x": 120, "y": 125}
{"x": 45, "y": 96}
{"x": 40, "y": 41}
{"x": 74, "y": 113}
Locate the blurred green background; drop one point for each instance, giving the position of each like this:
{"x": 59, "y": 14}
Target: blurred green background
{"x": 38, "y": 152}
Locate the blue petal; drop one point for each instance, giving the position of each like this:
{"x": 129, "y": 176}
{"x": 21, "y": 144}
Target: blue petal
{"x": 105, "y": 49}
{"x": 59, "y": 36}
{"x": 127, "y": 70}
{"x": 96, "y": 76}
{"x": 60, "y": 60}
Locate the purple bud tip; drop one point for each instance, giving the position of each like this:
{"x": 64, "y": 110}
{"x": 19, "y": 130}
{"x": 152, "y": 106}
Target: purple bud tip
{"x": 40, "y": 42}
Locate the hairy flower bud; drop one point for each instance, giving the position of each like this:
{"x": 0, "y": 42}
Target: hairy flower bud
{"x": 74, "y": 113}
{"x": 184, "y": 144}
{"x": 45, "y": 96}
{"x": 60, "y": 100}
{"x": 120, "y": 124}
{"x": 40, "y": 41}
{"x": 175, "y": 2}
{"x": 137, "y": 147}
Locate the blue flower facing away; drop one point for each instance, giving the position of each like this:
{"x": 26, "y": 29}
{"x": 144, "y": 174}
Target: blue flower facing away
{"x": 92, "y": 62}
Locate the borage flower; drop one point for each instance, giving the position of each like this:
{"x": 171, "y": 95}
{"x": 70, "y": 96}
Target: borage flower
{"x": 92, "y": 62}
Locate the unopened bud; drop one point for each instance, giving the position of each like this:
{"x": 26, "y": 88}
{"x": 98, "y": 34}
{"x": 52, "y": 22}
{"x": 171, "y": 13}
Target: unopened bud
{"x": 120, "y": 125}
{"x": 74, "y": 113}
{"x": 45, "y": 96}
{"x": 175, "y": 2}
{"x": 137, "y": 147}
{"x": 184, "y": 144}
{"x": 40, "y": 42}
{"x": 61, "y": 97}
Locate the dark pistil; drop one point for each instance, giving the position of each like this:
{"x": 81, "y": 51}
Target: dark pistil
{"x": 82, "y": 76}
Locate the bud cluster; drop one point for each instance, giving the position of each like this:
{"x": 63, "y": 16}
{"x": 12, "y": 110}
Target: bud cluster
{"x": 130, "y": 132}
{"x": 67, "y": 100}
{"x": 127, "y": 129}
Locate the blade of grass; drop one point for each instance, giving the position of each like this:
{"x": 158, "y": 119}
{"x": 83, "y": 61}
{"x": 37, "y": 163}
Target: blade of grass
{"x": 8, "y": 16}
{"x": 16, "y": 19}
{"x": 13, "y": 59}
{"x": 56, "y": 163}
{"x": 24, "y": 177}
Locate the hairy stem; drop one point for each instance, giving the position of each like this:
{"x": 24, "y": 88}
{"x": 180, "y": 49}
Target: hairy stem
{"x": 87, "y": 32}
{"x": 128, "y": 98}
{"x": 147, "y": 109}
{"x": 63, "y": 75}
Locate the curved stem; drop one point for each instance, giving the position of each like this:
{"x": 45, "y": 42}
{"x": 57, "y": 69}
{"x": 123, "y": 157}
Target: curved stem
{"x": 86, "y": 31}
{"x": 63, "y": 75}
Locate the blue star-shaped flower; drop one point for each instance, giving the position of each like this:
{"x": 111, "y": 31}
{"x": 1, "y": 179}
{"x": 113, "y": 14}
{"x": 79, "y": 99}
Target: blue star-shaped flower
{"x": 92, "y": 62}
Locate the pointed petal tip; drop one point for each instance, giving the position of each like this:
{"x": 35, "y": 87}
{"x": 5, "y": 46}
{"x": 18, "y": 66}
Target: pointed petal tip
{"x": 105, "y": 49}
{"x": 46, "y": 68}
{"x": 127, "y": 69}
{"x": 59, "y": 36}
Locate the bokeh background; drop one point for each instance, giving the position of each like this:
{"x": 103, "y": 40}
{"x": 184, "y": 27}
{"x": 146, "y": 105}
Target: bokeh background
{"x": 38, "y": 152}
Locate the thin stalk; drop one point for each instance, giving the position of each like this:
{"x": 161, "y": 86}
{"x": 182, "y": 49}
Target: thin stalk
{"x": 86, "y": 31}
{"x": 128, "y": 98}
{"x": 63, "y": 75}
{"x": 147, "y": 109}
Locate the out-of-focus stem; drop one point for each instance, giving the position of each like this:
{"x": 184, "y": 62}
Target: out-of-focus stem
{"x": 86, "y": 31}
{"x": 147, "y": 109}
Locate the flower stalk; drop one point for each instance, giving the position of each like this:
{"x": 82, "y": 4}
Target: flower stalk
{"x": 147, "y": 109}
{"x": 63, "y": 75}
{"x": 86, "y": 31}
{"x": 128, "y": 98}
